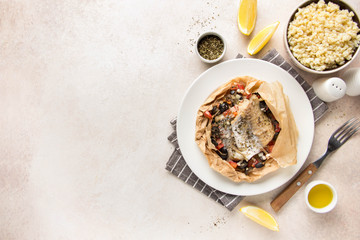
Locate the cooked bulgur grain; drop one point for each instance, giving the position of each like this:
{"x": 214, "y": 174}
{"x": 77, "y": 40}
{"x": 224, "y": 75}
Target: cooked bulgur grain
{"x": 322, "y": 36}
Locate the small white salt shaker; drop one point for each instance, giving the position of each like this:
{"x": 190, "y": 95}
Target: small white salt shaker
{"x": 329, "y": 89}
{"x": 352, "y": 80}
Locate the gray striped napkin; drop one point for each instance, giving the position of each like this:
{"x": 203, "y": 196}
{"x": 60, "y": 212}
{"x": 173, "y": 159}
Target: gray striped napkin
{"x": 177, "y": 164}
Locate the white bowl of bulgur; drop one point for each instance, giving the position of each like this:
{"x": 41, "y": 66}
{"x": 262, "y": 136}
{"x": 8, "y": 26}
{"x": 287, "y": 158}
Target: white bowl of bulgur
{"x": 323, "y": 36}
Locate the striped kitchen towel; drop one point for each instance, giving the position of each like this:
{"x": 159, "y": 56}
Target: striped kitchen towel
{"x": 177, "y": 164}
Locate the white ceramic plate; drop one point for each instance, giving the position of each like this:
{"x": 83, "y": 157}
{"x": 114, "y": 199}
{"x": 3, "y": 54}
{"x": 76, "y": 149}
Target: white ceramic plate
{"x": 204, "y": 85}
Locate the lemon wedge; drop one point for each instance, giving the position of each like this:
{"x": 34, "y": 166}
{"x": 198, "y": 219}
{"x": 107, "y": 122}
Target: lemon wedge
{"x": 260, "y": 216}
{"x": 247, "y": 16}
{"x": 262, "y": 38}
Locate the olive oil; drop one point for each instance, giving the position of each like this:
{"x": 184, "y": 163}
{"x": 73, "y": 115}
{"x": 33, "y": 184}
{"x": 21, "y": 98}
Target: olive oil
{"x": 320, "y": 196}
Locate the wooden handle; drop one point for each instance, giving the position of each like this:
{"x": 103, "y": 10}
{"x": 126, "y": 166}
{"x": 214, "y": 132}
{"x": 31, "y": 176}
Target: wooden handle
{"x": 293, "y": 187}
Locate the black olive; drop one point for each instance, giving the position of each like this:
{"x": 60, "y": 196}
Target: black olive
{"x": 215, "y": 128}
{"x": 232, "y": 92}
{"x": 223, "y": 156}
{"x": 214, "y": 142}
{"x": 223, "y": 150}
{"x": 215, "y": 132}
{"x": 223, "y": 107}
{"x": 213, "y": 110}
{"x": 243, "y": 164}
{"x": 259, "y": 165}
{"x": 276, "y": 135}
{"x": 263, "y": 106}
{"x": 258, "y": 95}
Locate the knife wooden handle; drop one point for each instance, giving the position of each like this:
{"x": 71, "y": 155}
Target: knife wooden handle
{"x": 293, "y": 187}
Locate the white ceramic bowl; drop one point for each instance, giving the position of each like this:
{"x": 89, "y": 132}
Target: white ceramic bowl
{"x": 327, "y": 208}
{"x": 209, "y": 34}
{"x": 342, "y": 5}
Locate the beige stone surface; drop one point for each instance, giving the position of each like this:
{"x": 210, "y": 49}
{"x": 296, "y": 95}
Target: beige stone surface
{"x": 87, "y": 89}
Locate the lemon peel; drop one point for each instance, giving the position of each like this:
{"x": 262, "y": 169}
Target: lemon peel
{"x": 247, "y": 16}
{"x": 261, "y": 217}
{"x": 262, "y": 38}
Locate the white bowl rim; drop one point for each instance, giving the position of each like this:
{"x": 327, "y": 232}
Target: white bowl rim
{"x": 307, "y": 69}
{"x": 204, "y": 34}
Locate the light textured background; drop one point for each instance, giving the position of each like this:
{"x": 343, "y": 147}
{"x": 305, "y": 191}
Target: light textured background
{"x": 87, "y": 89}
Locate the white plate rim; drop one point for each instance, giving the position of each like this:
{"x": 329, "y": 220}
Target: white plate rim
{"x": 187, "y": 116}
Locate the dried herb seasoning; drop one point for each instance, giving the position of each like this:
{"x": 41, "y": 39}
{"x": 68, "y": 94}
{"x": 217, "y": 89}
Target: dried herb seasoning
{"x": 210, "y": 47}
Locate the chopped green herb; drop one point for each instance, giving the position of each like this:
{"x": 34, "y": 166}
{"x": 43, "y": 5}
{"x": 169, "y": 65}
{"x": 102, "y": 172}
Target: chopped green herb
{"x": 210, "y": 47}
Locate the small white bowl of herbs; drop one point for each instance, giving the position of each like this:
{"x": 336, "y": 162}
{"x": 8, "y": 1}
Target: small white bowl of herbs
{"x": 210, "y": 47}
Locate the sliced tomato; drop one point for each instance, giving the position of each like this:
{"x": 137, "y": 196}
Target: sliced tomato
{"x": 270, "y": 146}
{"x": 240, "y": 86}
{"x": 207, "y": 114}
{"x": 233, "y": 164}
{"x": 277, "y": 127}
{"x": 227, "y": 112}
{"x": 252, "y": 162}
{"x": 219, "y": 146}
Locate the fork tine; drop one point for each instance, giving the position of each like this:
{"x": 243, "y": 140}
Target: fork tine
{"x": 343, "y": 128}
{"x": 351, "y": 132}
{"x": 348, "y": 129}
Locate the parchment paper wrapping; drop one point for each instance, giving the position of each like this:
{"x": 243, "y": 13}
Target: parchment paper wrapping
{"x": 285, "y": 149}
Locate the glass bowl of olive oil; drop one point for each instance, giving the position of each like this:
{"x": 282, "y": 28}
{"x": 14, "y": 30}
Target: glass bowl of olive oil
{"x": 320, "y": 196}
{"x": 210, "y": 47}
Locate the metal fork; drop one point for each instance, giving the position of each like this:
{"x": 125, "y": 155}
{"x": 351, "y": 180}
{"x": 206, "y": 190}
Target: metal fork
{"x": 337, "y": 139}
